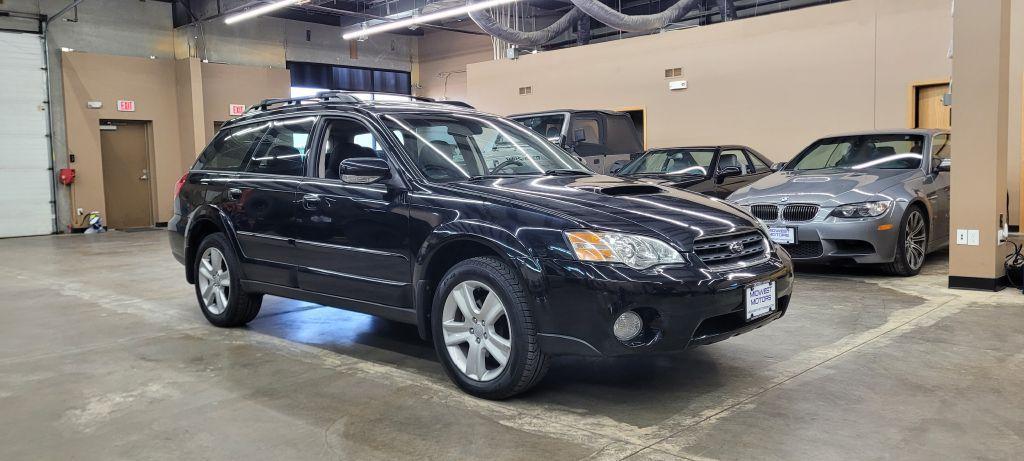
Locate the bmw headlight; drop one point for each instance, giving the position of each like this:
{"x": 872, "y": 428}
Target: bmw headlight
{"x": 635, "y": 251}
{"x": 862, "y": 210}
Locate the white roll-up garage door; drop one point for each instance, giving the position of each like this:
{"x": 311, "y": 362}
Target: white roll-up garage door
{"x": 25, "y": 181}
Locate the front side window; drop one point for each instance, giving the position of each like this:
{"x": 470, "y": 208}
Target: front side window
{"x": 733, "y": 158}
{"x": 858, "y": 152}
{"x": 549, "y": 126}
{"x": 453, "y": 147}
{"x": 941, "y": 148}
{"x": 282, "y": 150}
{"x": 343, "y": 140}
{"x": 756, "y": 164}
{"x": 230, "y": 148}
{"x": 694, "y": 162}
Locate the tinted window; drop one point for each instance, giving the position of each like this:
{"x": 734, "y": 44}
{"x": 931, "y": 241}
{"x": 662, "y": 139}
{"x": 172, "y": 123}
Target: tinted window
{"x": 590, "y": 130}
{"x": 733, "y": 158}
{"x": 756, "y": 164}
{"x": 345, "y": 139}
{"x": 672, "y": 161}
{"x": 941, "y": 146}
{"x": 549, "y": 126}
{"x": 875, "y": 151}
{"x": 230, "y": 148}
{"x": 283, "y": 148}
{"x": 621, "y": 135}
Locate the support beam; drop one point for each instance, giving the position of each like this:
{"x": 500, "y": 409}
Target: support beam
{"x": 981, "y": 57}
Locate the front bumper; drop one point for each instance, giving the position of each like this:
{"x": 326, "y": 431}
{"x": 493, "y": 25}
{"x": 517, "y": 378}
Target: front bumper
{"x": 864, "y": 241}
{"x": 693, "y": 305}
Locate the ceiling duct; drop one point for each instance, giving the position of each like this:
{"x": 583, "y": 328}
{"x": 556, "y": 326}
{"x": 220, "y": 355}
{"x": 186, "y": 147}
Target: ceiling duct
{"x": 486, "y": 21}
{"x": 635, "y": 23}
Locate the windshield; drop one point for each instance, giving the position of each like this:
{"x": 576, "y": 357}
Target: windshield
{"x": 695, "y": 162}
{"x": 548, "y": 125}
{"x": 453, "y": 147}
{"x": 874, "y": 151}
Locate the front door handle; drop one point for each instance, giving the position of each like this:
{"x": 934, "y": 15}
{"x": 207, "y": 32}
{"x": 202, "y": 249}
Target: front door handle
{"x": 234, "y": 193}
{"x": 310, "y": 201}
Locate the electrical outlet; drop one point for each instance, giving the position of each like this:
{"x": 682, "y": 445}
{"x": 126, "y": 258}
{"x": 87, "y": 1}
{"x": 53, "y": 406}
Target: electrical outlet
{"x": 973, "y": 237}
{"x": 961, "y": 236}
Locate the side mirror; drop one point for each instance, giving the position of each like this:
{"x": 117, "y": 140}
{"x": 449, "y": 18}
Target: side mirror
{"x": 365, "y": 170}
{"x": 579, "y": 135}
{"x": 726, "y": 172}
{"x": 778, "y": 166}
{"x": 944, "y": 165}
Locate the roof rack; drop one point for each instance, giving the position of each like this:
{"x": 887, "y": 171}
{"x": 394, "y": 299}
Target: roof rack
{"x": 342, "y": 96}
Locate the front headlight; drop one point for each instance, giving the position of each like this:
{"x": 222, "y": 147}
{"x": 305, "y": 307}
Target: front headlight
{"x": 862, "y": 210}
{"x": 635, "y": 251}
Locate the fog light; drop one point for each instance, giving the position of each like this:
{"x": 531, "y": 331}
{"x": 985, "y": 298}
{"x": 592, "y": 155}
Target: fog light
{"x": 627, "y": 326}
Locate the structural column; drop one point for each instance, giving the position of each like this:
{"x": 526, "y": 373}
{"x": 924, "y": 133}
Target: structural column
{"x": 191, "y": 116}
{"x": 981, "y": 52}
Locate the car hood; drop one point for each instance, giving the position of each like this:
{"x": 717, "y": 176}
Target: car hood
{"x": 672, "y": 180}
{"x": 612, "y": 203}
{"x": 831, "y": 187}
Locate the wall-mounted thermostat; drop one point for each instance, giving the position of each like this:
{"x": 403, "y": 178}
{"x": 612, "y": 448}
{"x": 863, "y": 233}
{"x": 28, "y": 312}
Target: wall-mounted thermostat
{"x": 94, "y": 104}
{"x": 677, "y": 85}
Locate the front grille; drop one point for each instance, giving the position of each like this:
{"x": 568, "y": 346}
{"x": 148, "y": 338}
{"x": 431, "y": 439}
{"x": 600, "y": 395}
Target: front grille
{"x": 728, "y": 251}
{"x": 804, "y": 250}
{"x": 765, "y": 212}
{"x": 799, "y": 212}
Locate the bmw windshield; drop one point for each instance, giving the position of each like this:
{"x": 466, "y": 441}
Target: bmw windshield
{"x": 691, "y": 162}
{"x": 858, "y": 152}
{"x": 456, "y": 147}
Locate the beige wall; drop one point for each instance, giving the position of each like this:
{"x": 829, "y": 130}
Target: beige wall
{"x": 105, "y": 78}
{"x": 181, "y": 99}
{"x": 443, "y": 52}
{"x": 224, "y": 85}
{"x": 774, "y": 82}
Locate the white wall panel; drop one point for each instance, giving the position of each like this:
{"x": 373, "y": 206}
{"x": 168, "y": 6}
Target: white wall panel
{"x": 25, "y": 191}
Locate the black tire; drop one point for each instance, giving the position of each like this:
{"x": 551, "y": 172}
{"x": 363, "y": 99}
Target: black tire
{"x": 902, "y": 265}
{"x": 241, "y": 306}
{"x": 527, "y": 364}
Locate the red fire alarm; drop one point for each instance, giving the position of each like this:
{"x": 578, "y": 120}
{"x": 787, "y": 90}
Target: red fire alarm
{"x": 67, "y": 176}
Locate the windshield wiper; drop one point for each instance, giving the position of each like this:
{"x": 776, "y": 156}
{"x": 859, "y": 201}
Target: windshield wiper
{"x": 566, "y": 172}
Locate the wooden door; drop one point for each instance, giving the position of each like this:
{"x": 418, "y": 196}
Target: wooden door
{"x": 126, "y": 174}
{"x": 931, "y": 113}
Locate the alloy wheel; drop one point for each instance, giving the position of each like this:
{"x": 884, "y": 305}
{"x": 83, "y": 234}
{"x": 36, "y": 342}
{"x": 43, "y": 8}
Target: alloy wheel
{"x": 916, "y": 236}
{"x": 476, "y": 331}
{"x": 214, "y": 281}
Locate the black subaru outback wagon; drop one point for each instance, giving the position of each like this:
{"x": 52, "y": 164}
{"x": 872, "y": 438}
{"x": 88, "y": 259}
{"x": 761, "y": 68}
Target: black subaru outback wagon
{"x": 498, "y": 245}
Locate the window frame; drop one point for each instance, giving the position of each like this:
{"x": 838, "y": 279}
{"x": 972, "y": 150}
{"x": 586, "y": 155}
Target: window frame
{"x": 309, "y": 144}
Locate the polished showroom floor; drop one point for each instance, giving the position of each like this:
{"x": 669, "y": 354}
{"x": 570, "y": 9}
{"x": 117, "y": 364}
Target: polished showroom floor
{"x": 104, "y": 355}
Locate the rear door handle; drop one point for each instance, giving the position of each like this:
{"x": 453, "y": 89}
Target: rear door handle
{"x": 234, "y": 193}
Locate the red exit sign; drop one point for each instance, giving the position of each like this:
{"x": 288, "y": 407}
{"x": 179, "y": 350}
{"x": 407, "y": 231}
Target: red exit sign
{"x": 235, "y": 110}
{"x": 125, "y": 105}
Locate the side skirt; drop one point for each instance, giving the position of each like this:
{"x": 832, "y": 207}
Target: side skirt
{"x": 397, "y": 314}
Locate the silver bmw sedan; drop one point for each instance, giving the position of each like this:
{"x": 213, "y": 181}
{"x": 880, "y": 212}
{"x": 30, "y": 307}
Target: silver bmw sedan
{"x": 877, "y": 197}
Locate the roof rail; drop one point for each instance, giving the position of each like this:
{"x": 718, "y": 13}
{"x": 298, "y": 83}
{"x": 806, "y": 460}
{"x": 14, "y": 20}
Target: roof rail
{"x": 342, "y": 96}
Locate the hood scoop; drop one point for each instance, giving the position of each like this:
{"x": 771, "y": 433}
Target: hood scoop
{"x": 632, "y": 189}
{"x": 812, "y": 179}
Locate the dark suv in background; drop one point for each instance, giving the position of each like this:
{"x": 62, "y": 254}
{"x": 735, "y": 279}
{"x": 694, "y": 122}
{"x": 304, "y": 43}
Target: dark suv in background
{"x": 497, "y": 244}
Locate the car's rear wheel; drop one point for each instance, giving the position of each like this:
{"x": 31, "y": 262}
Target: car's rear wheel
{"x": 911, "y": 245}
{"x": 484, "y": 332}
{"x": 218, "y": 286}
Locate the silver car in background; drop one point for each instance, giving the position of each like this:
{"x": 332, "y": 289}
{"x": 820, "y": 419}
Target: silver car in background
{"x": 873, "y": 197}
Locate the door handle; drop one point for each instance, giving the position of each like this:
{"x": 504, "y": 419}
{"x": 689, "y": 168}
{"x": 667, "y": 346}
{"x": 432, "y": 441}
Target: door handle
{"x": 310, "y": 201}
{"x": 234, "y": 193}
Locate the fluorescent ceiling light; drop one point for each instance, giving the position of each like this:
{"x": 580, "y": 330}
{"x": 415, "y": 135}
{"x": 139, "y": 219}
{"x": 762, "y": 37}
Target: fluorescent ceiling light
{"x": 451, "y": 12}
{"x": 260, "y": 10}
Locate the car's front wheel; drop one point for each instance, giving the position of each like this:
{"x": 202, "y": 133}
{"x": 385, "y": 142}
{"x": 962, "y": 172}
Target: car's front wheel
{"x": 218, "y": 284}
{"x": 484, "y": 331}
{"x": 912, "y": 244}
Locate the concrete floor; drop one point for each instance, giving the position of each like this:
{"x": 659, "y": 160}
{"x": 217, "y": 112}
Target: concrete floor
{"x": 104, "y": 355}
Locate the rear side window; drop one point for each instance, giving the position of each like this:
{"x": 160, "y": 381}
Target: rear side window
{"x": 282, "y": 150}
{"x": 230, "y": 148}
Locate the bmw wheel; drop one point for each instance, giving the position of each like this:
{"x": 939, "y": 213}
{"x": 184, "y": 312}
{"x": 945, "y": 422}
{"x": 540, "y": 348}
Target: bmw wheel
{"x": 912, "y": 244}
{"x": 218, "y": 285}
{"x": 484, "y": 332}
